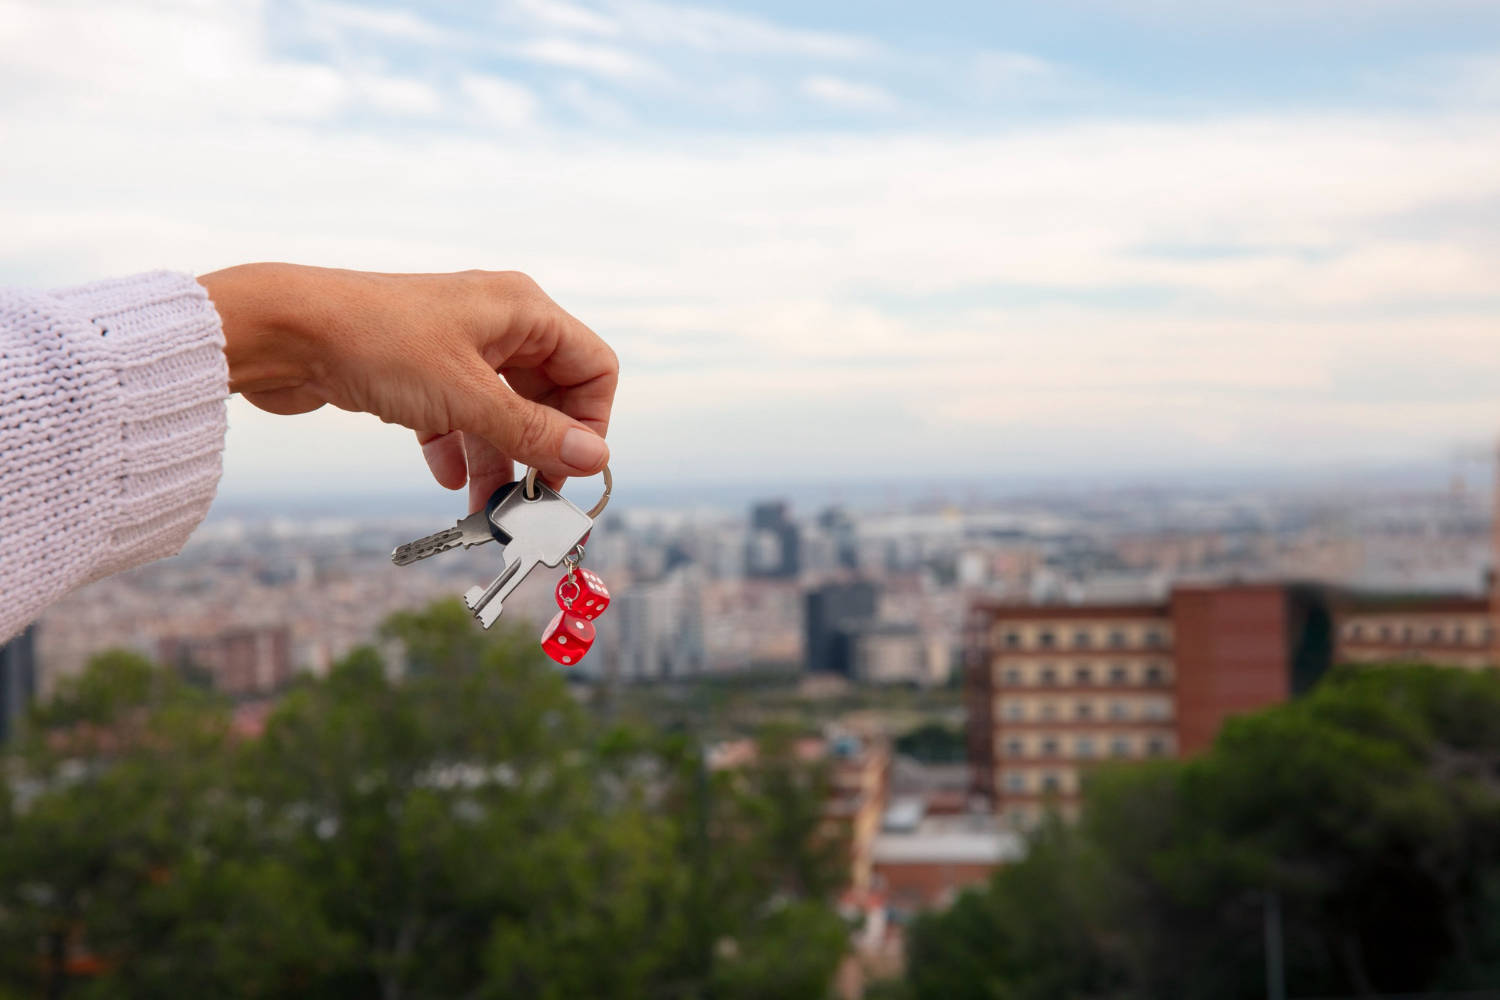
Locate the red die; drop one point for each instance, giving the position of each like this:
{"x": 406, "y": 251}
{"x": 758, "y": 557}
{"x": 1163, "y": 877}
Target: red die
{"x": 567, "y": 637}
{"x": 584, "y": 594}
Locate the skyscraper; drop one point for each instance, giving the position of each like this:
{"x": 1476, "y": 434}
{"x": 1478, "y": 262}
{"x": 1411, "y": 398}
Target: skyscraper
{"x": 835, "y": 612}
{"x": 17, "y": 681}
{"x": 774, "y": 550}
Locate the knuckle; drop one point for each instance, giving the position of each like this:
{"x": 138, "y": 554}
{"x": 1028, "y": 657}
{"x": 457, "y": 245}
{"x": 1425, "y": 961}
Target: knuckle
{"x": 532, "y": 429}
{"x": 519, "y": 284}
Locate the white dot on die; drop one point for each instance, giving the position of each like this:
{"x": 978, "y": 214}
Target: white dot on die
{"x": 578, "y": 624}
{"x": 567, "y": 659}
{"x": 562, "y": 638}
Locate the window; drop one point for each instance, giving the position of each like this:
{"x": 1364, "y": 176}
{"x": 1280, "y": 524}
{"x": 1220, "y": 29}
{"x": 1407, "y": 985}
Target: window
{"x": 1012, "y": 640}
{"x": 1385, "y": 633}
{"x": 1084, "y": 747}
{"x": 1154, "y": 674}
{"x": 1049, "y": 747}
{"x": 1015, "y": 782}
{"x": 1117, "y": 639}
{"x": 1117, "y": 710}
{"x": 1012, "y": 676}
{"x": 1156, "y": 710}
{"x": 1435, "y": 634}
{"x": 1014, "y": 710}
{"x": 1047, "y": 639}
{"x": 1083, "y": 675}
{"x": 1048, "y": 675}
{"x": 1081, "y": 639}
{"x": 1049, "y": 710}
{"x": 1013, "y": 748}
{"x": 1156, "y": 746}
{"x": 1155, "y": 639}
{"x": 1408, "y": 633}
{"x": 1050, "y": 783}
{"x": 1119, "y": 747}
{"x": 1356, "y": 631}
{"x": 1460, "y": 634}
{"x": 1083, "y": 710}
{"x": 1118, "y": 674}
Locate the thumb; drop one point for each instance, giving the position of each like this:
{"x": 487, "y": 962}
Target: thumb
{"x": 534, "y": 434}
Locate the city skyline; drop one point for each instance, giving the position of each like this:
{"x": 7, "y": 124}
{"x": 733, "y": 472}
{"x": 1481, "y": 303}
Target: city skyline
{"x": 851, "y": 242}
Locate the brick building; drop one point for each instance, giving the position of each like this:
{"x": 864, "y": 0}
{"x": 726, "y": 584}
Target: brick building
{"x": 1052, "y": 689}
{"x": 1453, "y": 631}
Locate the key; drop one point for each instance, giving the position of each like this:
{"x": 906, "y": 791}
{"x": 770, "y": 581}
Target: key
{"x": 468, "y": 532}
{"x": 534, "y": 532}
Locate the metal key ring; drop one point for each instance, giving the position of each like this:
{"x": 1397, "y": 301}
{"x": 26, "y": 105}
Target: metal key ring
{"x": 531, "y": 493}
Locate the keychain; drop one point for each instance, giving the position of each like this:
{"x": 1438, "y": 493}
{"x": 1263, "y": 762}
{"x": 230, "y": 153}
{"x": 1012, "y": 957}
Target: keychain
{"x": 582, "y": 597}
{"x": 535, "y": 526}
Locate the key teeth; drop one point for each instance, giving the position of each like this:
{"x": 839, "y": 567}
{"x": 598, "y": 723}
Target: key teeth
{"x": 472, "y": 596}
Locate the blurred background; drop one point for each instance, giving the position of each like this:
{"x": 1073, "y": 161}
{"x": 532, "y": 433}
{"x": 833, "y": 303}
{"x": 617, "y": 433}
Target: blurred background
{"x": 1042, "y": 429}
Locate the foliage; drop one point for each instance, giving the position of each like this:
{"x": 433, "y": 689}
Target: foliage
{"x": 468, "y": 831}
{"x": 1370, "y": 808}
{"x": 933, "y": 743}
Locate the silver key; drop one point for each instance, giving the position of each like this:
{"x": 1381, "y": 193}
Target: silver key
{"x": 468, "y": 532}
{"x": 540, "y": 531}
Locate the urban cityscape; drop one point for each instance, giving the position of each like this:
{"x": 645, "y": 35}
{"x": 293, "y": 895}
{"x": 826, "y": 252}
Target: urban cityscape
{"x": 1050, "y": 631}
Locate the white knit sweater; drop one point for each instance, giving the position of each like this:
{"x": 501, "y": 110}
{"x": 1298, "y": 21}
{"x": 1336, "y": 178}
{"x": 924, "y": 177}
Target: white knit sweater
{"x": 111, "y": 427}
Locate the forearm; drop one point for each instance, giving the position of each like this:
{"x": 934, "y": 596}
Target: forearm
{"x": 111, "y": 429}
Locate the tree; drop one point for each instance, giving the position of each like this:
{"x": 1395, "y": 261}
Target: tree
{"x": 1371, "y": 808}
{"x": 468, "y": 831}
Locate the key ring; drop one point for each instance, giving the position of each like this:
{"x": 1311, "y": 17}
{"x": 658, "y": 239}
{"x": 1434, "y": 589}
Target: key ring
{"x": 530, "y": 491}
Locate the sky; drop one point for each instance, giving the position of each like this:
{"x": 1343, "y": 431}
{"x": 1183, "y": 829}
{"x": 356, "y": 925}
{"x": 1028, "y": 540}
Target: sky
{"x": 840, "y": 241}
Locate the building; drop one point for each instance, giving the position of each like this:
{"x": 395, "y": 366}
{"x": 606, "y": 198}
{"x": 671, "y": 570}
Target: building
{"x": 835, "y": 612}
{"x": 774, "y": 548}
{"x": 654, "y": 629}
{"x": 239, "y": 661}
{"x": 858, "y": 782}
{"x": 1052, "y": 689}
{"x": 921, "y": 861}
{"x": 17, "y": 681}
{"x": 1454, "y": 631}
{"x": 889, "y": 653}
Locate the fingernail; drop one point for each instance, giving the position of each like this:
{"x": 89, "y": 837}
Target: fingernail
{"x": 583, "y": 450}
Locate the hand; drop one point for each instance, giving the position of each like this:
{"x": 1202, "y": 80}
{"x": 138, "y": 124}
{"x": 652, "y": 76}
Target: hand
{"x": 423, "y": 351}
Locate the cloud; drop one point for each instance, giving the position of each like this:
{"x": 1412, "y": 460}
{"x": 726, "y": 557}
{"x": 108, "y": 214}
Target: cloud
{"x": 499, "y": 101}
{"x": 1470, "y": 80}
{"x": 589, "y": 57}
{"x": 711, "y": 30}
{"x": 848, "y": 95}
{"x": 991, "y": 300}
{"x": 563, "y": 16}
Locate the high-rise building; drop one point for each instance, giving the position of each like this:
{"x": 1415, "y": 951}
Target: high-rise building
{"x": 1052, "y": 689}
{"x": 774, "y": 548}
{"x": 835, "y": 612}
{"x": 654, "y": 629}
{"x": 17, "y": 681}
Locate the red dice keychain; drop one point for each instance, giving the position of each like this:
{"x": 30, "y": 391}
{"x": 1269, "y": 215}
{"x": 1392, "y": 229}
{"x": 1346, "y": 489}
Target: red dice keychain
{"x": 582, "y": 597}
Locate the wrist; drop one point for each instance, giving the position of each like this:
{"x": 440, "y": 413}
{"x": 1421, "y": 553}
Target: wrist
{"x": 267, "y": 341}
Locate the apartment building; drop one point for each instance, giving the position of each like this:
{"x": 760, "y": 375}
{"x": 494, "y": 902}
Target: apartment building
{"x": 1054, "y": 689}
{"x": 1454, "y": 631}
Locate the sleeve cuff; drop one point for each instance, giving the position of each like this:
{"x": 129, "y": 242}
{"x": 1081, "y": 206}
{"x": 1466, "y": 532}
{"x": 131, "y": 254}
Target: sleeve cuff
{"x": 165, "y": 343}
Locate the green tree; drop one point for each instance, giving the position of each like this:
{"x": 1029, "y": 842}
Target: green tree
{"x": 1370, "y": 808}
{"x": 468, "y": 831}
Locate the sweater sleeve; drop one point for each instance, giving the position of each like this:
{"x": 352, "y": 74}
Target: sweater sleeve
{"x": 111, "y": 429}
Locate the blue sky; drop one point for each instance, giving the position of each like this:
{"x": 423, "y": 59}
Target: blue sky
{"x": 1087, "y": 238}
